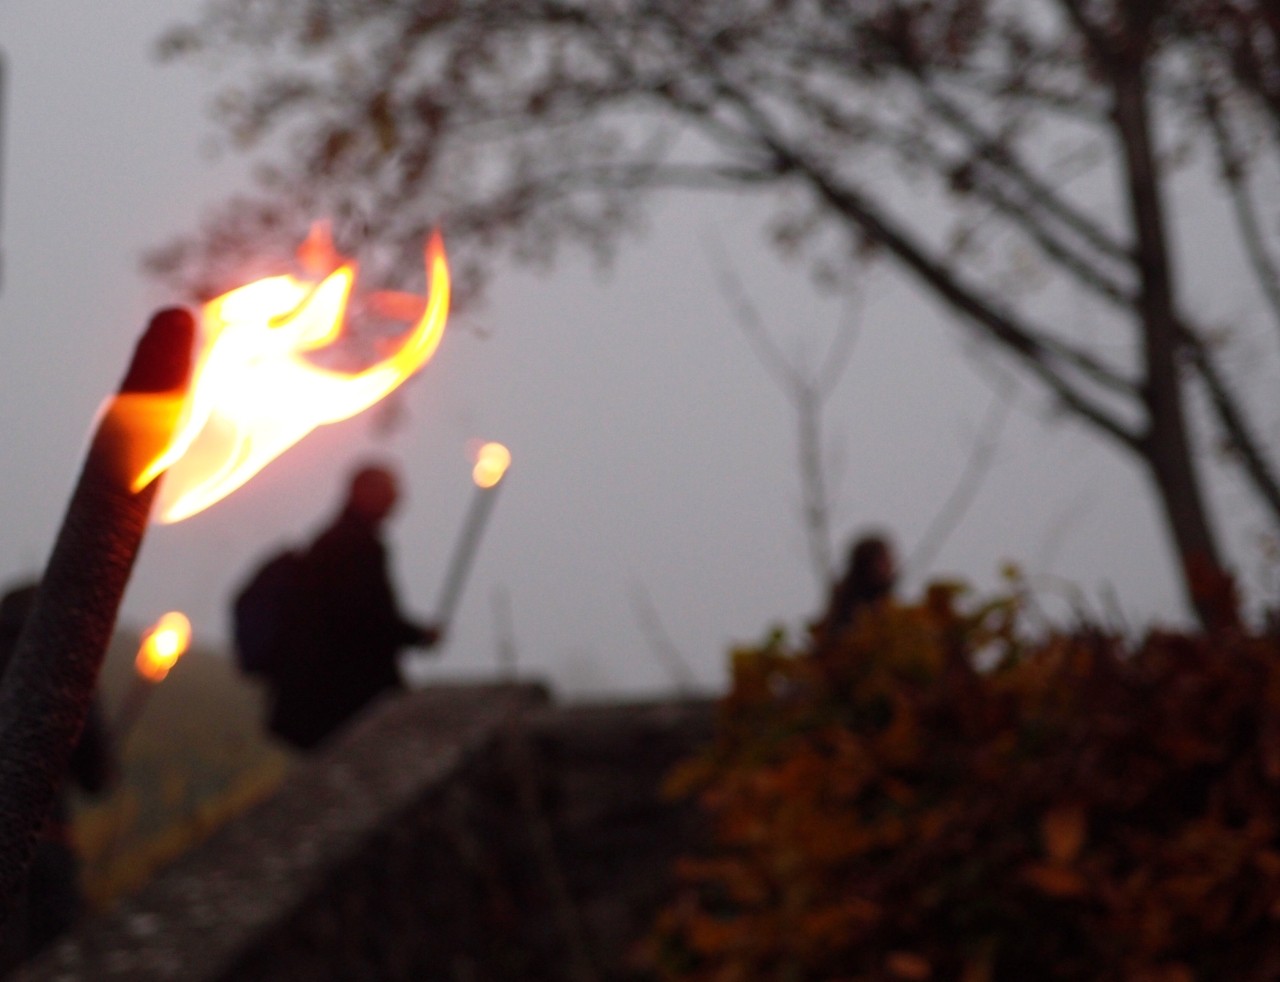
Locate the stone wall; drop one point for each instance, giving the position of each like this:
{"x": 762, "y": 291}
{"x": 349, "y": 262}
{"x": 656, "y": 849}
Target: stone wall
{"x": 460, "y": 833}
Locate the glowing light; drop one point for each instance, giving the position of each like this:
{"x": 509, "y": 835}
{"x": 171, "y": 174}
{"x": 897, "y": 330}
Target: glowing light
{"x": 162, "y": 646}
{"x": 492, "y": 461}
{"x": 256, "y": 389}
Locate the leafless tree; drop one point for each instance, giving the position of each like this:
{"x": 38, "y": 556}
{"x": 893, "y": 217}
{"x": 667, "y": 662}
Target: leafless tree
{"x": 1002, "y": 154}
{"x": 809, "y": 389}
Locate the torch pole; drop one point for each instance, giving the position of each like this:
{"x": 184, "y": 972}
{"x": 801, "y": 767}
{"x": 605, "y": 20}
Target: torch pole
{"x": 464, "y": 552}
{"x": 48, "y": 686}
{"x": 158, "y": 652}
{"x": 131, "y": 707}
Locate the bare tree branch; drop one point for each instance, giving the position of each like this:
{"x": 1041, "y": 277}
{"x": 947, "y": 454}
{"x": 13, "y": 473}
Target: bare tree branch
{"x": 957, "y": 503}
{"x": 896, "y": 126}
{"x": 1244, "y": 444}
{"x": 659, "y": 640}
{"x": 1037, "y": 352}
{"x": 1234, "y": 170}
{"x": 808, "y": 390}
{"x": 993, "y": 151}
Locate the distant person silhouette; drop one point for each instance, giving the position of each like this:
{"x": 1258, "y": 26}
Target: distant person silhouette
{"x": 53, "y": 901}
{"x": 355, "y": 630}
{"x": 870, "y": 575}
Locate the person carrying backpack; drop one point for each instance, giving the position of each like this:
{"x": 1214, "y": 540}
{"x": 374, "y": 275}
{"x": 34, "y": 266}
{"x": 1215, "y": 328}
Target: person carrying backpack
{"x": 322, "y": 626}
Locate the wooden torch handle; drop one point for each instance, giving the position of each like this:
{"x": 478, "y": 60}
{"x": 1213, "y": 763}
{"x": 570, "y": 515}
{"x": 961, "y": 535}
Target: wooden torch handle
{"x": 49, "y": 683}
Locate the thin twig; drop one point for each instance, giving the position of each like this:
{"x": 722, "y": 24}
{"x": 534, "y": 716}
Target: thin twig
{"x": 659, "y": 640}
{"x": 1234, "y": 171}
{"x": 966, "y": 488}
{"x": 504, "y": 625}
{"x": 808, "y": 390}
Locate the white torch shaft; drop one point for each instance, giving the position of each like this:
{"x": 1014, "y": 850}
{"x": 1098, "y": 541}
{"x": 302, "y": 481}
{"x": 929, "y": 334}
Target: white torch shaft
{"x": 464, "y": 552}
{"x": 131, "y": 707}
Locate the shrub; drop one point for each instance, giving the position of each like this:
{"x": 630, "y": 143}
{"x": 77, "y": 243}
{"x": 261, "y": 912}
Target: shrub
{"x": 1078, "y": 808}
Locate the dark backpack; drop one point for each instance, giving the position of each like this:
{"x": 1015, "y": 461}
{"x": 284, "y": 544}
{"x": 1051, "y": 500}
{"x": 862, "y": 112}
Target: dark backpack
{"x": 270, "y": 616}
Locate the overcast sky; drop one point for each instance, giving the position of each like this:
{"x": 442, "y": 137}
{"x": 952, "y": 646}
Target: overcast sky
{"x": 653, "y": 454}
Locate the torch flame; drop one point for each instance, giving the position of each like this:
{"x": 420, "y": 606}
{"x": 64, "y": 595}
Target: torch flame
{"x": 255, "y": 392}
{"x": 162, "y": 645}
{"x": 492, "y": 461}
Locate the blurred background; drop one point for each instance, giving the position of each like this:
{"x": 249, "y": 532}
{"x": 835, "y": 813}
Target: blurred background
{"x": 654, "y": 505}
{"x": 654, "y": 513}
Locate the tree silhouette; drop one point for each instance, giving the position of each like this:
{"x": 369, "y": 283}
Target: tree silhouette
{"x": 1015, "y": 158}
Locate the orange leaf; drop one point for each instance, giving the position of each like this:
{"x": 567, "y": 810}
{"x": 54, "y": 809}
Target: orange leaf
{"x": 1054, "y": 881}
{"x": 1062, "y": 832}
{"x": 978, "y": 969}
{"x": 908, "y": 965}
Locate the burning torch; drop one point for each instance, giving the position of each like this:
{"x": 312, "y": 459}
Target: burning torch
{"x": 492, "y": 461}
{"x": 162, "y": 645}
{"x": 255, "y": 390}
{"x": 48, "y": 686}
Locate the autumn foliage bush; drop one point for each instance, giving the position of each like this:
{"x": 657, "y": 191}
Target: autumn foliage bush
{"x": 940, "y": 795}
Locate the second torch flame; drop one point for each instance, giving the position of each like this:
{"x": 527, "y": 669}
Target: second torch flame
{"x": 162, "y": 646}
{"x": 492, "y": 461}
{"x": 256, "y": 392}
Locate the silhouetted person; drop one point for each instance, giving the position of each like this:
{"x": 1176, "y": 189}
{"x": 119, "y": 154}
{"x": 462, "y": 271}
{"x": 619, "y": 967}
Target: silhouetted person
{"x": 869, "y": 578}
{"x": 53, "y": 900}
{"x": 356, "y": 628}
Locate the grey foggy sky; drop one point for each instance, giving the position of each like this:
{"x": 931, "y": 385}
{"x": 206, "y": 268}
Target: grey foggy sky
{"x": 651, "y": 448}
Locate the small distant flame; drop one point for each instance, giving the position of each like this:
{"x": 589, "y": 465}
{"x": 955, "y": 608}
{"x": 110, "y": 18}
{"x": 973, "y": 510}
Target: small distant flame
{"x": 256, "y": 392}
{"x": 162, "y": 646}
{"x": 492, "y": 461}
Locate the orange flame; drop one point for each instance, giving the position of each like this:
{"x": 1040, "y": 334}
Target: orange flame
{"x": 256, "y": 392}
{"x": 162, "y": 645}
{"x": 492, "y": 461}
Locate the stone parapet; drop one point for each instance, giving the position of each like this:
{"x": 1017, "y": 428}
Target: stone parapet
{"x": 468, "y": 832}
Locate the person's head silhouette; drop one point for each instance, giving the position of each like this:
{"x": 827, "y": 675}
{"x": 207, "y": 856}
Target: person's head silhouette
{"x": 869, "y": 577}
{"x": 374, "y": 493}
{"x": 872, "y": 571}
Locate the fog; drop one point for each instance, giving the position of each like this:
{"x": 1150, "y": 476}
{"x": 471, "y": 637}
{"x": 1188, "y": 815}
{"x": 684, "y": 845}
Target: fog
{"x": 654, "y": 498}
